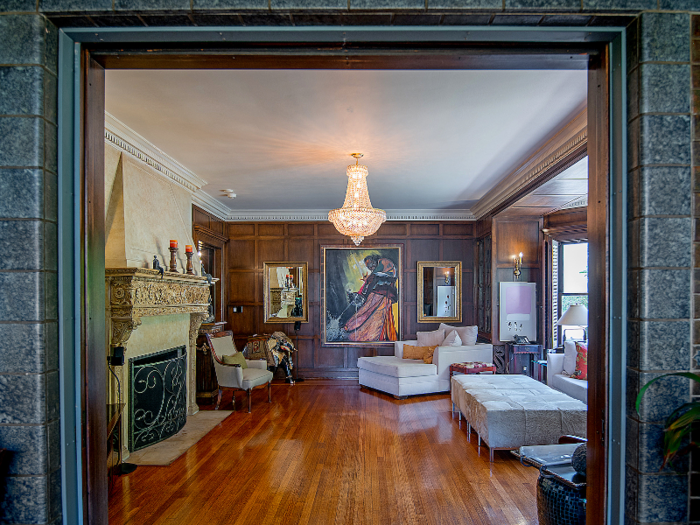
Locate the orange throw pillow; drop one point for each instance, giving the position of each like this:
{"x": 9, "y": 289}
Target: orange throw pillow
{"x": 417, "y": 352}
{"x": 581, "y": 371}
{"x": 428, "y": 357}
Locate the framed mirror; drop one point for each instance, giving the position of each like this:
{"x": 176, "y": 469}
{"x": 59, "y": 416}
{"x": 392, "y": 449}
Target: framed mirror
{"x": 439, "y": 291}
{"x": 286, "y": 295}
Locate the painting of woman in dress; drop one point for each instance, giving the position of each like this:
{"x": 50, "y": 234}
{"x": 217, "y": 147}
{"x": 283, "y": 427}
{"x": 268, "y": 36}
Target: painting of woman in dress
{"x": 361, "y": 294}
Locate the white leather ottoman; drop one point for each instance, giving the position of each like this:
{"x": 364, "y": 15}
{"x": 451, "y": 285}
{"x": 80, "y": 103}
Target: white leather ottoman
{"x": 509, "y": 411}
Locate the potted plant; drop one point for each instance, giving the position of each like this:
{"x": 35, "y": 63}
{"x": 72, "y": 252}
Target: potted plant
{"x": 679, "y": 423}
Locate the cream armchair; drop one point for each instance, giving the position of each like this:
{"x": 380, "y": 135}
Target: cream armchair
{"x": 234, "y": 376}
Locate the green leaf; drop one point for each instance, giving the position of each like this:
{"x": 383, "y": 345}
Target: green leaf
{"x": 689, "y": 375}
{"x": 685, "y": 419}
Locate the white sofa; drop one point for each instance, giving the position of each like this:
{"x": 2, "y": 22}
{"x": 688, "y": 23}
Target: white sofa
{"x": 406, "y": 377}
{"x": 557, "y": 379}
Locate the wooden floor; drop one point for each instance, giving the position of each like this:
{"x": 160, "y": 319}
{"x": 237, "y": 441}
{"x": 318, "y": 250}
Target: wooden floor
{"x": 329, "y": 452}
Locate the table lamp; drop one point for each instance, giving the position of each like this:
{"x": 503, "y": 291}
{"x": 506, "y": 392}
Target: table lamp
{"x": 575, "y": 315}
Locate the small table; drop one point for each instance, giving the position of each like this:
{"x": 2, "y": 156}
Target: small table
{"x": 475, "y": 367}
{"x": 541, "y": 370}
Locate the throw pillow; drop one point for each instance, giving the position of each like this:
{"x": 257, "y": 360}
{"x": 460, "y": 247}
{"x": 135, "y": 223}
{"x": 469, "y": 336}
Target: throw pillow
{"x": 581, "y": 371}
{"x": 415, "y": 352}
{"x": 569, "y": 358}
{"x": 452, "y": 339}
{"x": 467, "y": 334}
{"x": 430, "y": 338}
{"x": 428, "y": 357}
{"x": 235, "y": 359}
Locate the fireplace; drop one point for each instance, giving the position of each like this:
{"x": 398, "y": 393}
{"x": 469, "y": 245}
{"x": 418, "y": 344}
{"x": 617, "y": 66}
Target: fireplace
{"x": 158, "y": 394}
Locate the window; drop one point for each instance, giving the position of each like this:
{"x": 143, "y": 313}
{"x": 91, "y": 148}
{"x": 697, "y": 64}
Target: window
{"x": 573, "y": 283}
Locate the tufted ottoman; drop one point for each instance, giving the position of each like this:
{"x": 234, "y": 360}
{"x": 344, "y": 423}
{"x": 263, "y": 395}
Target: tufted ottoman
{"x": 509, "y": 411}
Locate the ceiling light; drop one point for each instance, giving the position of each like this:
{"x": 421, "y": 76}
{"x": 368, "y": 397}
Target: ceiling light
{"x": 357, "y": 218}
{"x": 229, "y": 193}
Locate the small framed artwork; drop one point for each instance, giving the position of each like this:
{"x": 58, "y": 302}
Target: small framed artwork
{"x": 517, "y": 311}
{"x": 361, "y": 294}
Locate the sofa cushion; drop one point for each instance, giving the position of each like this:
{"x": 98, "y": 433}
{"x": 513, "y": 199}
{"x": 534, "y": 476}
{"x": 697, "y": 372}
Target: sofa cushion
{"x": 468, "y": 334}
{"x": 417, "y": 352}
{"x": 396, "y": 367}
{"x": 430, "y": 338}
{"x": 452, "y": 339}
{"x": 572, "y": 387}
{"x": 569, "y": 357}
{"x": 428, "y": 356}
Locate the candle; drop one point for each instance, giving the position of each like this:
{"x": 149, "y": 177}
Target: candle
{"x": 188, "y": 248}
{"x": 173, "y": 244}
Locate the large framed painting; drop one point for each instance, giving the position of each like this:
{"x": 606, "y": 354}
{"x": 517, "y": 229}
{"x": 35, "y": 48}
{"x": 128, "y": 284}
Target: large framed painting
{"x": 517, "y": 311}
{"x": 361, "y": 294}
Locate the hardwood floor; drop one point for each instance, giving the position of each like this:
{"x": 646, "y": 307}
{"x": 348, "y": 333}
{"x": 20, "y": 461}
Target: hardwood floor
{"x": 328, "y": 452}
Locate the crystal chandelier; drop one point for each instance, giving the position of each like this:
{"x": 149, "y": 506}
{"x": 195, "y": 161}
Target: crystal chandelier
{"x": 357, "y": 218}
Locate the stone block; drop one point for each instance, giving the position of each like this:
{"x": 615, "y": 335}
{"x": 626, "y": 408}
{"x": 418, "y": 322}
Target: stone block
{"x": 664, "y": 294}
{"x": 651, "y": 438}
{"x": 22, "y": 90}
{"x": 21, "y": 141}
{"x": 23, "y": 193}
{"x": 23, "y": 399}
{"x": 622, "y": 5}
{"x": 22, "y": 37}
{"x": 319, "y": 4}
{"x": 385, "y": 4}
{"x": 665, "y": 190}
{"x": 24, "y": 347}
{"x": 544, "y": 5}
{"x": 664, "y": 345}
{"x": 27, "y": 447}
{"x": 661, "y": 398}
{"x": 665, "y": 139}
{"x": 664, "y": 37}
{"x": 8, "y": 6}
{"x": 151, "y": 5}
{"x": 231, "y": 4}
{"x": 23, "y": 243}
{"x": 23, "y": 296}
{"x": 25, "y": 500}
{"x": 664, "y": 88}
{"x": 69, "y": 6}
{"x": 465, "y": 4}
{"x": 665, "y": 242}
{"x": 662, "y": 498}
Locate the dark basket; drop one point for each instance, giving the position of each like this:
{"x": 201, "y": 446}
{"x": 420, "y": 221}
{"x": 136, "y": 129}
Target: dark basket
{"x": 558, "y": 504}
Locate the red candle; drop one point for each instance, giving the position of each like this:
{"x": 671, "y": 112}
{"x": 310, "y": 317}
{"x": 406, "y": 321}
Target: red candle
{"x": 173, "y": 244}
{"x": 188, "y": 248}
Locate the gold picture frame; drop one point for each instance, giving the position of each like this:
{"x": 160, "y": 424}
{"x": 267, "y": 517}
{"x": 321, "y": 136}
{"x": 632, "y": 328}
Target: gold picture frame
{"x": 286, "y": 292}
{"x": 439, "y": 285}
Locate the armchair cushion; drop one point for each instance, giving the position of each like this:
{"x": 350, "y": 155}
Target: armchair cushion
{"x": 235, "y": 359}
{"x": 225, "y": 346}
{"x": 255, "y": 377}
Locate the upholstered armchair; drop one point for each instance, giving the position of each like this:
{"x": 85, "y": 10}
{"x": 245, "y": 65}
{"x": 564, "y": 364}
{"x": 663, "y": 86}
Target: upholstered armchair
{"x": 243, "y": 375}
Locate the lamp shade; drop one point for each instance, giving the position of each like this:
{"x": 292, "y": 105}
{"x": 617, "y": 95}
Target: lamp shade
{"x": 576, "y": 315}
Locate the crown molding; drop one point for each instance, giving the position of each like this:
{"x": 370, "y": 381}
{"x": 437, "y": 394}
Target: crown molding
{"x": 126, "y": 139}
{"x": 581, "y": 202}
{"x": 565, "y": 142}
{"x": 322, "y": 215}
{"x": 211, "y": 205}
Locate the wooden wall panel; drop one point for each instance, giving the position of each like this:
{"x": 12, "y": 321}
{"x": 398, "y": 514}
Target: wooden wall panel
{"x": 241, "y": 254}
{"x": 252, "y": 244}
{"x": 516, "y": 236}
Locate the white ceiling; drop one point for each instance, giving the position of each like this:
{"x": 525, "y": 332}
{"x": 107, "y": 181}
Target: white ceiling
{"x": 281, "y": 139}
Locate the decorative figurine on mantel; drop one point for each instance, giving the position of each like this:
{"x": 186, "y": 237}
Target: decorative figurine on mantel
{"x": 157, "y": 266}
{"x": 173, "y": 256}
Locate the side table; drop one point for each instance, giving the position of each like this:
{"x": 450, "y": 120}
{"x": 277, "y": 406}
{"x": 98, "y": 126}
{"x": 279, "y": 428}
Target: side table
{"x": 541, "y": 367}
{"x": 521, "y": 358}
{"x": 475, "y": 367}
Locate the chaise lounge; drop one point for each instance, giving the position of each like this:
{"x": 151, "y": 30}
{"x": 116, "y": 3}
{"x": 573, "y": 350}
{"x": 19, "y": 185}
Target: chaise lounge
{"x": 407, "y": 377}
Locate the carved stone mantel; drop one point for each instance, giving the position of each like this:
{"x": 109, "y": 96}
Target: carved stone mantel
{"x": 133, "y": 293}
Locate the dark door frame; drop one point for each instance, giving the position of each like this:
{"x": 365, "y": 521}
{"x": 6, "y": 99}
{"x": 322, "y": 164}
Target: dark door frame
{"x": 83, "y": 54}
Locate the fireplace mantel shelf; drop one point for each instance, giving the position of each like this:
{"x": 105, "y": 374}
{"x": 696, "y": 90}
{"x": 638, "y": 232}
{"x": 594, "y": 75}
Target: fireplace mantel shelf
{"x": 133, "y": 293}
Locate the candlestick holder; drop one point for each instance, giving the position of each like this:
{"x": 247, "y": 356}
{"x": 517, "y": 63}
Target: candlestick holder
{"x": 190, "y": 268}
{"x": 173, "y": 259}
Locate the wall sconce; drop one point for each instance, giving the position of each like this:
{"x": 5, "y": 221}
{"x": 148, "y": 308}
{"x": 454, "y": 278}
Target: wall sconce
{"x": 447, "y": 277}
{"x": 517, "y": 263}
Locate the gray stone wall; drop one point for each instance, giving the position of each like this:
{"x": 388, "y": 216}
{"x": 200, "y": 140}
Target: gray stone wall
{"x": 29, "y": 391}
{"x": 662, "y": 126}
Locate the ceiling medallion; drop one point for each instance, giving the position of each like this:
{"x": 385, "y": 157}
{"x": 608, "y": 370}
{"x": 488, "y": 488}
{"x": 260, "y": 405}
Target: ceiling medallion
{"x": 357, "y": 219}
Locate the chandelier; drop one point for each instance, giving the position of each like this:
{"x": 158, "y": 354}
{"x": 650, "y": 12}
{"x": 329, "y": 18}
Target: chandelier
{"x": 357, "y": 218}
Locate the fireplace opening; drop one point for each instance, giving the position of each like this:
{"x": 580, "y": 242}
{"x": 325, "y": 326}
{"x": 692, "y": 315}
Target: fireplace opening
{"x": 158, "y": 396}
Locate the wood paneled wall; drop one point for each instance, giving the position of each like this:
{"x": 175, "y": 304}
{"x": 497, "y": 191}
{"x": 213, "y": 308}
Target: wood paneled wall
{"x": 511, "y": 236}
{"x": 252, "y": 243}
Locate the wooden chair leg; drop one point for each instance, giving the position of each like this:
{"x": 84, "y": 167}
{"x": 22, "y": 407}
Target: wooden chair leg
{"x": 269, "y": 392}
{"x": 233, "y": 399}
{"x": 218, "y": 400}
{"x": 250, "y": 402}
